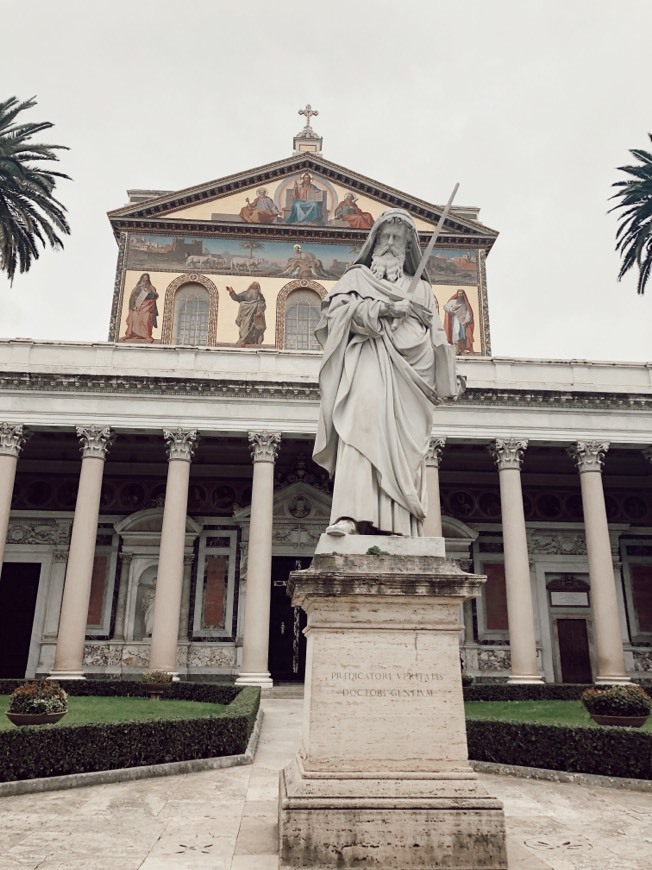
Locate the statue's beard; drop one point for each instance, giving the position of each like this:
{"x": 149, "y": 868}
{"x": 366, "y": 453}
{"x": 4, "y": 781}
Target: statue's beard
{"x": 387, "y": 262}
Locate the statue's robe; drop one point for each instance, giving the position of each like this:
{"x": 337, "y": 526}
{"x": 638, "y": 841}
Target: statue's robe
{"x": 251, "y": 317}
{"x": 379, "y": 386}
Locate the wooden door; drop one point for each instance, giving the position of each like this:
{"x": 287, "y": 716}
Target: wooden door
{"x": 574, "y": 654}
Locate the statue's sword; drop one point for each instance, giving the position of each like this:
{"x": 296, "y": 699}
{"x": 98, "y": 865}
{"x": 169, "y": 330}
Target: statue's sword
{"x": 428, "y": 251}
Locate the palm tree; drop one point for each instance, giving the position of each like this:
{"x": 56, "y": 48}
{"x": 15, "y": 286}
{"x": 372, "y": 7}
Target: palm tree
{"x": 634, "y": 236}
{"x": 252, "y": 246}
{"x": 29, "y": 213}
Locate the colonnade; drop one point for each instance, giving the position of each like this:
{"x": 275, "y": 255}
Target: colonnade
{"x": 508, "y": 454}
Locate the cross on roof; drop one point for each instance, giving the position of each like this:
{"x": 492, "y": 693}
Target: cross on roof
{"x": 308, "y": 112}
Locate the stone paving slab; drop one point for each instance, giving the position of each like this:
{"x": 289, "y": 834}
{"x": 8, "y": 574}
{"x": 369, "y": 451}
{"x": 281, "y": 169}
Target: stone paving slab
{"x": 227, "y": 819}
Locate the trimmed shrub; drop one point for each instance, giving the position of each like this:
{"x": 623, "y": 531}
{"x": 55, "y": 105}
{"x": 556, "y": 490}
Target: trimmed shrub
{"x": 28, "y": 753}
{"x": 619, "y": 700}
{"x": 621, "y": 752}
{"x": 38, "y": 697}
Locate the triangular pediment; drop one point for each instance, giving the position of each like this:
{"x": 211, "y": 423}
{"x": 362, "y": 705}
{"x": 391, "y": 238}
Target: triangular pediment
{"x": 332, "y": 198}
{"x": 297, "y": 503}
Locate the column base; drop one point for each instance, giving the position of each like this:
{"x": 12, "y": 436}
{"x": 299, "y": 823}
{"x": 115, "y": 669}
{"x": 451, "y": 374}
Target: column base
{"x": 66, "y": 675}
{"x": 525, "y": 680}
{"x": 264, "y": 680}
{"x": 611, "y": 681}
{"x": 402, "y": 822}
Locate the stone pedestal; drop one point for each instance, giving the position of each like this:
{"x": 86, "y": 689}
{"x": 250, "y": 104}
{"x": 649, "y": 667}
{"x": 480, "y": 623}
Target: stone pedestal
{"x": 382, "y": 778}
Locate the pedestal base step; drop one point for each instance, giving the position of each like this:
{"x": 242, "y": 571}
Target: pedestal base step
{"x": 329, "y": 831}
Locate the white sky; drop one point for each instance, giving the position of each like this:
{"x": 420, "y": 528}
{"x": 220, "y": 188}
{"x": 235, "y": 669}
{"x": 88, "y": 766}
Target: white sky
{"x": 529, "y": 105}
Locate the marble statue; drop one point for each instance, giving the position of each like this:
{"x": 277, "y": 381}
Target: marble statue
{"x": 386, "y": 364}
{"x": 149, "y": 596}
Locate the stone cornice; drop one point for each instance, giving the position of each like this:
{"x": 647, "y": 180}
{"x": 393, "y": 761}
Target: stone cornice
{"x": 279, "y": 232}
{"x": 285, "y": 388}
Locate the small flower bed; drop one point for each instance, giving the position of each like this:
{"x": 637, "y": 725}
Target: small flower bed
{"x": 626, "y": 699}
{"x": 42, "y": 696}
{"x": 156, "y": 677}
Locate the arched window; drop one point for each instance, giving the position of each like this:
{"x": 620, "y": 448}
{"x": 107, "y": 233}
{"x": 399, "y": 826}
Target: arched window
{"x": 301, "y": 318}
{"x": 191, "y": 311}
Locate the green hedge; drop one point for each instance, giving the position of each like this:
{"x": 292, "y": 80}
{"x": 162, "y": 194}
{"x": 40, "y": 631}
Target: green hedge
{"x": 215, "y": 693}
{"x": 526, "y": 692}
{"x": 622, "y": 752}
{"x": 49, "y": 750}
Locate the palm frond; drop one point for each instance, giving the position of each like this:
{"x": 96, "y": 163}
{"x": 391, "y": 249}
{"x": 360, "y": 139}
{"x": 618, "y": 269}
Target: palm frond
{"x": 30, "y": 215}
{"x": 634, "y": 233}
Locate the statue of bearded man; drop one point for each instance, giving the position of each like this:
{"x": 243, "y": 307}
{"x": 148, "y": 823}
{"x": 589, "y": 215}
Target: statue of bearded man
{"x": 386, "y": 364}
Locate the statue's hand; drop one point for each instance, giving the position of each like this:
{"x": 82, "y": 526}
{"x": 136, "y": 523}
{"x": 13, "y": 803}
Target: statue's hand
{"x": 398, "y": 309}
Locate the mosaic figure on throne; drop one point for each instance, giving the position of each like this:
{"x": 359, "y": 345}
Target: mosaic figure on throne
{"x": 308, "y": 202}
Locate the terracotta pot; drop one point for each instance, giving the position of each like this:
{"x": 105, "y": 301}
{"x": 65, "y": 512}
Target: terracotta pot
{"x": 631, "y": 721}
{"x": 35, "y": 718}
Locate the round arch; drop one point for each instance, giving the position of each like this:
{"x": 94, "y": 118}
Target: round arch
{"x": 168, "y": 306}
{"x": 281, "y": 304}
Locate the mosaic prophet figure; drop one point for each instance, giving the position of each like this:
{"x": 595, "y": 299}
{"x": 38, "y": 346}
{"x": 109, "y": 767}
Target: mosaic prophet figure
{"x": 251, "y": 314}
{"x": 143, "y": 312}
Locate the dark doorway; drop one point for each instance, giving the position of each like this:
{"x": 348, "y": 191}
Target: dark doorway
{"x": 18, "y": 590}
{"x": 287, "y": 644}
{"x": 574, "y": 655}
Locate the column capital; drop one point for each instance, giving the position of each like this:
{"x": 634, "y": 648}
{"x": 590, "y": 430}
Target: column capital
{"x": 264, "y": 446}
{"x": 507, "y": 452}
{"x": 588, "y": 455}
{"x": 181, "y": 443}
{"x": 435, "y": 449}
{"x": 12, "y": 439}
{"x": 95, "y": 441}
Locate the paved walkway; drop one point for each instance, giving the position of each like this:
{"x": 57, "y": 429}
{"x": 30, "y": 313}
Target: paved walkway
{"x": 226, "y": 819}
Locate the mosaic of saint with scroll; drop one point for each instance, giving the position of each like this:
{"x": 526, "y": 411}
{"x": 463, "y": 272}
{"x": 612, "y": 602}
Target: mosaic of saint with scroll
{"x": 386, "y": 364}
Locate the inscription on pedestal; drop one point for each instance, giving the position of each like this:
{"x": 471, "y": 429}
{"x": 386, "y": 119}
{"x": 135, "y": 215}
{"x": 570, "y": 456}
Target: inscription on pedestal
{"x": 400, "y": 685}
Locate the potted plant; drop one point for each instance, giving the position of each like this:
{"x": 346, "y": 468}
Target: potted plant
{"x": 40, "y": 702}
{"x": 156, "y": 682}
{"x": 622, "y": 704}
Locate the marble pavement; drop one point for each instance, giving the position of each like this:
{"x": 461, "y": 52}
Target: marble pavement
{"x": 227, "y": 819}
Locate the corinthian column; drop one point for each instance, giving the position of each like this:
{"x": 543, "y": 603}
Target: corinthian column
{"x": 508, "y": 456}
{"x": 167, "y": 604}
{"x": 12, "y": 441}
{"x": 588, "y": 457}
{"x": 94, "y": 443}
{"x": 432, "y": 522}
{"x": 264, "y": 448}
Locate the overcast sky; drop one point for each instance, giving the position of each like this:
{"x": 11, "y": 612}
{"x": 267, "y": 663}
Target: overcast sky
{"x": 531, "y": 106}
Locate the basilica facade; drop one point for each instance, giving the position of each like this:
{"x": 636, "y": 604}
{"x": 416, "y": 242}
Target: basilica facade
{"x": 157, "y": 489}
